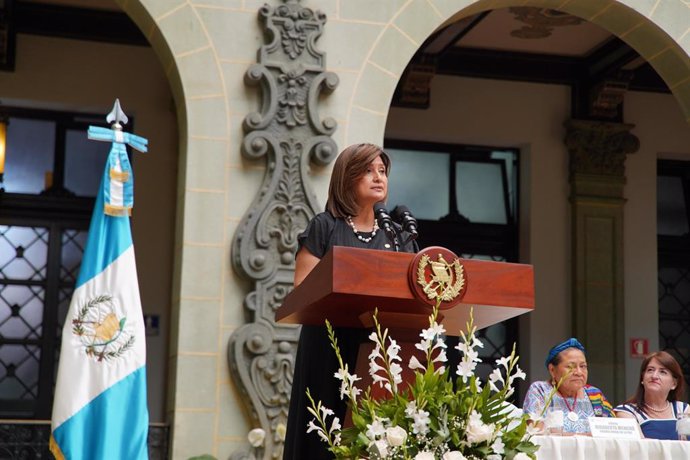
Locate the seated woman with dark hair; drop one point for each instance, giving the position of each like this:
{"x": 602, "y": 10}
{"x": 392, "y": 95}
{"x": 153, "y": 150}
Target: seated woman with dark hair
{"x": 655, "y": 404}
{"x": 578, "y": 400}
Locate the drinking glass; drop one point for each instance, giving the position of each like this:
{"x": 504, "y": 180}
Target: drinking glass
{"x": 554, "y": 422}
{"x": 683, "y": 426}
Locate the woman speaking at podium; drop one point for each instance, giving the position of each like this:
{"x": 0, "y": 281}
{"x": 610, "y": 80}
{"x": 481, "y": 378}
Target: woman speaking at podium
{"x": 359, "y": 180}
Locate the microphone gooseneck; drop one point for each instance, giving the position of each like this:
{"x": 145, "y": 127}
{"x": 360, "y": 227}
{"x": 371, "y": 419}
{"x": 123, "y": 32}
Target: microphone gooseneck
{"x": 385, "y": 222}
{"x": 402, "y": 215}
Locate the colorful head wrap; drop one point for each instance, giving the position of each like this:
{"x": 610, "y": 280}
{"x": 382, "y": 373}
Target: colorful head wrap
{"x": 570, "y": 343}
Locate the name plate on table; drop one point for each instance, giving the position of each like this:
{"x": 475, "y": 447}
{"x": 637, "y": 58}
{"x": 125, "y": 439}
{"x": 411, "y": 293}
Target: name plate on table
{"x": 619, "y": 428}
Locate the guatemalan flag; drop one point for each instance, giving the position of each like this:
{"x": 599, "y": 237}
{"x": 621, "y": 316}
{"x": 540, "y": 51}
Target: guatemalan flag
{"x": 100, "y": 411}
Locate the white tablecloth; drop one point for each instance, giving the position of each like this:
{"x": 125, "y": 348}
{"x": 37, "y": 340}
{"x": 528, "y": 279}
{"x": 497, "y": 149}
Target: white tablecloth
{"x": 587, "y": 448}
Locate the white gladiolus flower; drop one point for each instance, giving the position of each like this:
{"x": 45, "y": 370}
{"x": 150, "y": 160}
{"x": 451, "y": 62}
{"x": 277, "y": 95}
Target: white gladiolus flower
{"x": 311, "y": 426}
{"x": 335, "y": 426}
{"x": 433, "y": 331}
{"x": 374, "y": 367}
{"x": 478, "y": 385}
{"x": 453, "y": 455}
{"x": 411, "y": 408}
{"x": 518, "y": 374}
{"x": 375, "y": 429}
{"x": 521, "y": 456}
{"x": 375, "y": 353}
{"x": 441, "y": 357}
{"x": 256, "y": 437}
{"x": 415, "y": 364}
{"x": 423, "y": 345}
{"x": 425, "y": 456}
{"x": 393, "y": 350}
{"x": 504, "y": 361}
{"x": 466, "y": 370}
{"x": 494, "y": 377}
{"x": 493, "y": 457}
{"x": 421, "y": 422}
{"x": 325, "y": 411}
{"x": 382, "y": 381}
{"x": 396, "y": 436}
{"x": 472, "y": 356}
{"x": 347, "y": 384}
{"x": 396, "y": 371}
{"x": 498, "y": 446}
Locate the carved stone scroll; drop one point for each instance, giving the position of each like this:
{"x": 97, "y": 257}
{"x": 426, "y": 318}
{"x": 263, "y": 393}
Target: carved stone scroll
{"x": 288, "y": 132}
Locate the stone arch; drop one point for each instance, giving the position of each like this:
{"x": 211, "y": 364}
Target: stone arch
{"x": 656, "y": 31}
{"x": 179, "y": 35}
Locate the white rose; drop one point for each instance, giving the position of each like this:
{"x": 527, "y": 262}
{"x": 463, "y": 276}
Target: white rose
{"x": 424, "y": 456}
{"x": 396, "y": 436}
{"x": 453, "y": 455}
{"x": 256, "y": 437}
{"x": 521, "y": 456}
{"x": 478, "y": 431}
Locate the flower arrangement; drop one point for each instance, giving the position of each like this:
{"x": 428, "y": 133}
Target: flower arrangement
{"x": 433, "y": 417}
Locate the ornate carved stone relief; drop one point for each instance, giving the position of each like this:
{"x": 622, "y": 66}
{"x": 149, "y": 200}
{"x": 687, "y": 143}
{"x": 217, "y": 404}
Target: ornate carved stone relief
{"x": 539, "y": 22}
{"x": 598, "y": 147}
{"x": 288, "y": 132}
{"x": 414, "y": 89}
{"x": 607, "y": 96}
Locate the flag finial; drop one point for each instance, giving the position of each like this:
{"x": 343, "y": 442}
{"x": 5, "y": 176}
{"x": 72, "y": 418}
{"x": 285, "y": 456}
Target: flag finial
{"x": 118, "y": 182}
{"x": 117, "y": 115}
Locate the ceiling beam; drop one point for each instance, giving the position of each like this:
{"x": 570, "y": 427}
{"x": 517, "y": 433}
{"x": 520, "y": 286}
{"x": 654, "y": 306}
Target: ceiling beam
{"x": 77, "y": 23}
{"x": 508, "y": 65}
{"x": 609, "y": 58}
{"x": 547, "y": 68}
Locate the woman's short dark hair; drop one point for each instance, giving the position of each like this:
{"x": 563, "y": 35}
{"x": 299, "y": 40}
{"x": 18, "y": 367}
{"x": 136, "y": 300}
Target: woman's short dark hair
{"x": 670, "y": 363}
{"x": 351, "y": 164}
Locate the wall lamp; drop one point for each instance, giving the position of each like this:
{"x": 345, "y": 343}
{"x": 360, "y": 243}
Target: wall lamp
{"x": 3, "y": 144}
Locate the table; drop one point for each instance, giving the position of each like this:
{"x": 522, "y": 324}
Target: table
{"x": 587, "y": 448}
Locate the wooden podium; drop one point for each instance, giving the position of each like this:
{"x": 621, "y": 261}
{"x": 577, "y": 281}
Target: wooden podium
{"x": 349, "y": 283}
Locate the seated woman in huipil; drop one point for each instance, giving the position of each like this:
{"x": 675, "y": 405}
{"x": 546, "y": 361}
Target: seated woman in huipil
{"x": 574, "y": 396}
{"x": 655, "y": 404}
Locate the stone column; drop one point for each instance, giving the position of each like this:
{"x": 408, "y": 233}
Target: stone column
{"x": 597, "y": 178}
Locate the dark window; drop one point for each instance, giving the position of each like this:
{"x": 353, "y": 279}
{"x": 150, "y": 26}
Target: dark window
{"x": 52, "y": 173}
{"x": 465, "y": 199}
{"x": 673, "y": 236}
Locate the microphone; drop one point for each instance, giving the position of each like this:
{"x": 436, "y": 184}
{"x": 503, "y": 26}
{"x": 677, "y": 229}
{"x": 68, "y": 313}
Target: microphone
{"x": 385, "y": 221}
{"x": 402, "y": 215}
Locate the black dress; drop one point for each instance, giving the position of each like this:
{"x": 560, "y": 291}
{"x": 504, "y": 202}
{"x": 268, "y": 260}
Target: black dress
{"x": 316, "y": 362}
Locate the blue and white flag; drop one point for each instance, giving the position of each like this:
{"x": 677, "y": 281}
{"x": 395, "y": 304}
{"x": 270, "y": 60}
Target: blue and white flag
{"x": 100, "y": 409}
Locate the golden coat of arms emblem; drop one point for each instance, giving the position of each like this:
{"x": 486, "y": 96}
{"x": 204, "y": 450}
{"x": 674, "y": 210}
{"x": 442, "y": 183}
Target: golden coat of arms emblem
{"x": 438, "y": 275}
{"x": 101, "y": 331}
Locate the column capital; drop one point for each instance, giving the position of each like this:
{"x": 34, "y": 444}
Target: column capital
{"x": 599, "y": 147}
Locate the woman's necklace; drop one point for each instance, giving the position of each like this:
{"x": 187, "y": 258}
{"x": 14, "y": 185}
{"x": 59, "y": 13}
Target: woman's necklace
{"x": 572, "y": 415}
{"x": 657, "y": 411}
{"x": 364, "y": 239}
